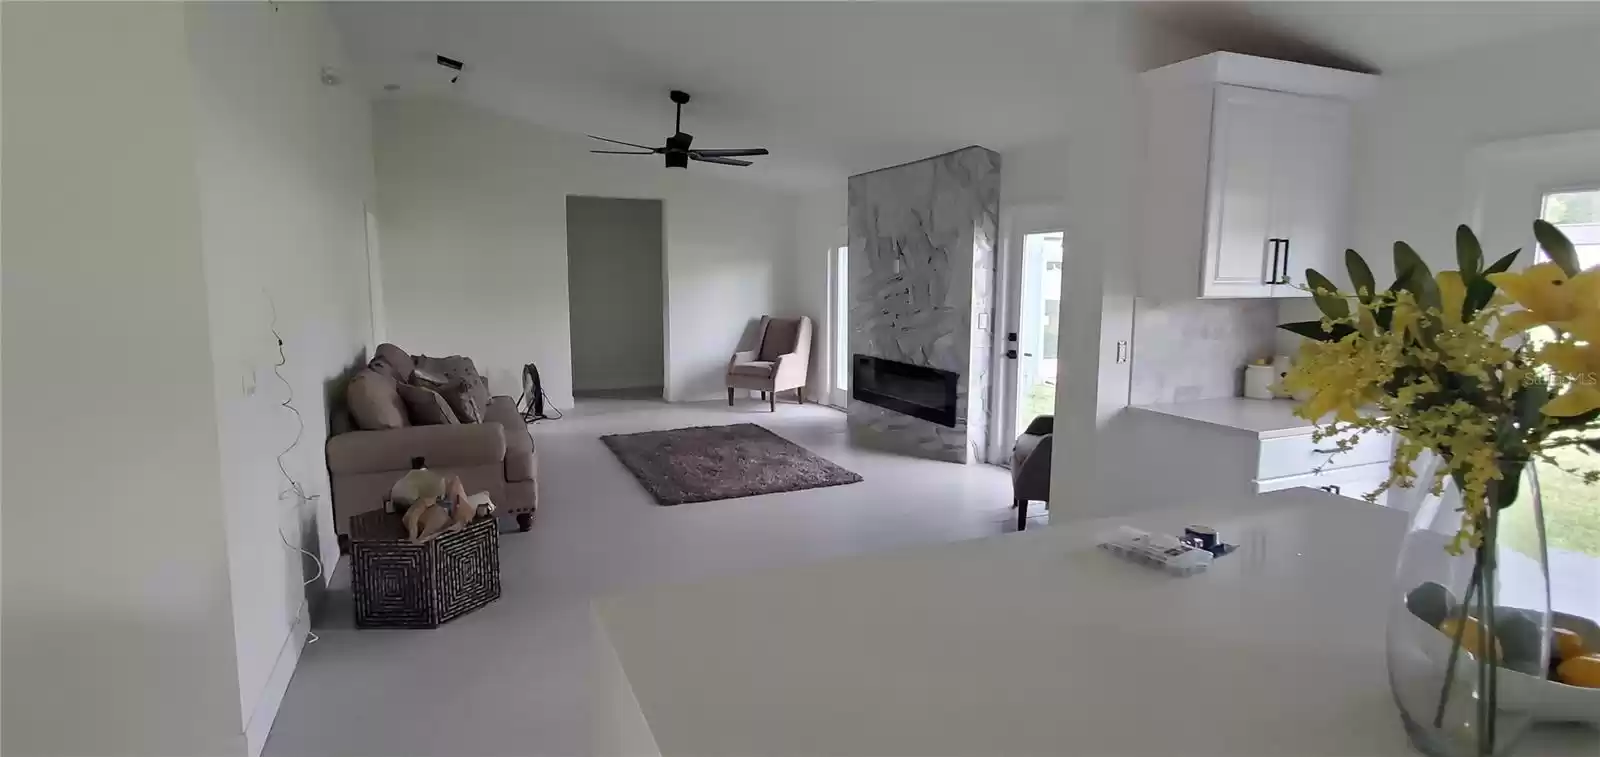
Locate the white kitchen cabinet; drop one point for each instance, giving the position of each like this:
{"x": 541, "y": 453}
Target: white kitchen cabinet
{"x": 1239, "y": 447}
{"x": 1246, "y": 176}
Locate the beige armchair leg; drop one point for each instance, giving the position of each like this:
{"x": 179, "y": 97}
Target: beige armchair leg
{"x": 772, "y": 400}
{"x": 730, "y": 396}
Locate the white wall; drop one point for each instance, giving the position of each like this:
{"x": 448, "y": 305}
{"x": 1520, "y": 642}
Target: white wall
{"x": 819, "y": 230}
{"x": 1414, "y": 138}
{"x": 472, "y": 216}
{"x": 117, "y": 622}
{"x": 1103, "y": 158}
{"x": 616, "y": 289}
{"x": 285, "y": 168}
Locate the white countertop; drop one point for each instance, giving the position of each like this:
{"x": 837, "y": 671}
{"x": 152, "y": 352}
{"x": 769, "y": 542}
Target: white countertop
{"x": 1028, "y": 644}
{"x": 1267, "y": 419}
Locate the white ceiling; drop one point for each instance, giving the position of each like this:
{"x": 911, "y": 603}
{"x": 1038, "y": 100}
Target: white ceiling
{"x": 839, "y": 88}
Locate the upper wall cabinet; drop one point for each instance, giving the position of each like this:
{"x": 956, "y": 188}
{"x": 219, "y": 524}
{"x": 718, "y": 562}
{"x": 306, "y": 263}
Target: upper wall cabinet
{"x": 1247, "y": 176}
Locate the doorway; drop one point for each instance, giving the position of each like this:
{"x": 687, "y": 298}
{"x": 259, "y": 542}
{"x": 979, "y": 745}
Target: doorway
{"x": 1032, "y": 252}
{"x": 615, "y": 296}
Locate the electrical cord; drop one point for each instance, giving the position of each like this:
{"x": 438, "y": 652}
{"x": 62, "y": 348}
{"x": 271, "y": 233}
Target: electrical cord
{"x": 295, "y": 487}
{"x": 528, "y": 416}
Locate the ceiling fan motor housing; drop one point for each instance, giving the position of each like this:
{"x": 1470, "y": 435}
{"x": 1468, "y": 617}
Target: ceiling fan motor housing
{"x": 677, "y": 150}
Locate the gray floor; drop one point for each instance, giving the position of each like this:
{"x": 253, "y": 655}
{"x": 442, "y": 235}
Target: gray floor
{"x": 511, "y": 679}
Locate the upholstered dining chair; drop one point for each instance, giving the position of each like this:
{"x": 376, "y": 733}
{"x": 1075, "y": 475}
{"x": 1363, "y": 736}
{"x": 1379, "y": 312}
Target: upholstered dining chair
{"x": 776, "y": 362}
{"x": 1030, "y": 466}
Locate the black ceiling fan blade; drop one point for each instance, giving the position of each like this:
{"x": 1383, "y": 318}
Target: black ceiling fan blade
{"x": 623, "y": 152}
{"x": 625, "y": 144}
{"x": 736, "y": 153}
{"x": 720, "y": 161}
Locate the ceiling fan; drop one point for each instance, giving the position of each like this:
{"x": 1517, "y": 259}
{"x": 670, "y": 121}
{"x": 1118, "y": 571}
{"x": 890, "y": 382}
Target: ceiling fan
{"x": 677, "y": 150}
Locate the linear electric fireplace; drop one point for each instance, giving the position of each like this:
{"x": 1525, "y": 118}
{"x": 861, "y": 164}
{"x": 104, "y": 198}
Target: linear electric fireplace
{"x": 915, "y": 390}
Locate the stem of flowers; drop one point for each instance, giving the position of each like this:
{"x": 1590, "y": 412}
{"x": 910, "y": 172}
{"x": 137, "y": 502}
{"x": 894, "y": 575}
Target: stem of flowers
{"x": 1487, "y": 663}
{"x": 1485, "y": 649}
{"x": 1455, "y": 643}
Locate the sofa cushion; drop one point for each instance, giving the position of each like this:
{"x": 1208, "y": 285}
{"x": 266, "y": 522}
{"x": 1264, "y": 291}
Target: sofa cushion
{"x": 780, "y": 339}
{"x": 760, "y": 368}
{"x": 425, "y": 407}
{"x": 374, "y": 401}
{"x": 393, "y": 361}
{"x": 460, "y": 446}
{"x": 519, "y": 445}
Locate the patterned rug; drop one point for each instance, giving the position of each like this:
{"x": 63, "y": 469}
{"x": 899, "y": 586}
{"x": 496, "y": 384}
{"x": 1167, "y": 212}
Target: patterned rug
{"x": 706, "y": 463}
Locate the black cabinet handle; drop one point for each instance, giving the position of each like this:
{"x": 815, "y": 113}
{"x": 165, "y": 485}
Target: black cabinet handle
{"x": 1285, "y": 278}
{"x": 1272, "y": 276}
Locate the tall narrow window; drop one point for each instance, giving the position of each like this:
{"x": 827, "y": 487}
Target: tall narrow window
{"x": 841, "y": 327}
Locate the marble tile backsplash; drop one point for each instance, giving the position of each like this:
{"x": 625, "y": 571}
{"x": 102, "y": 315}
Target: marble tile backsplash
{"x": 1197, "y": 349}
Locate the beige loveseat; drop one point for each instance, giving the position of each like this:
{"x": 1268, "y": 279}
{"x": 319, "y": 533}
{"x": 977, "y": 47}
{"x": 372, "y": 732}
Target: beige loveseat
{"x": 495, "y": 455}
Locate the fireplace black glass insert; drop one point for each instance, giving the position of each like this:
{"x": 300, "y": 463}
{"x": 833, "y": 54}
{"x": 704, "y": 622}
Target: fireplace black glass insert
{"x": 915, "y": 390}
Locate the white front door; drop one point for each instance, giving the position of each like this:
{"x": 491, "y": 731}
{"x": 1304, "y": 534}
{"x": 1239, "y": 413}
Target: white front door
{"x": 1031, "y": 257}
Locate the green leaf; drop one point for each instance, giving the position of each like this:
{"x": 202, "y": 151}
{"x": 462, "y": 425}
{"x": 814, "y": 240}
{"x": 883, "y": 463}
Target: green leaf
{"x": 1383, "y": 315}
{"x": 1314, "y": 330}
{"x": 1479, "y": 292}
{"x": 1412, "y": 275}
{"x": 1528, "y": 403}
{"x": 1504, "y": 264}
{"x": 1360, "y": 275}
{"x": 1407, "y": 263}
{"x": 1469, "y": 254}
{"x": 1326, "y": 295}
{"x": 1557, "y": 246}
{"x": 1509, "y": 485}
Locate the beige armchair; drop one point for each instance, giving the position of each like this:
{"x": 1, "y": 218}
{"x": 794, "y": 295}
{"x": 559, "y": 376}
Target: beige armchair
{"x": 777, "y": 361}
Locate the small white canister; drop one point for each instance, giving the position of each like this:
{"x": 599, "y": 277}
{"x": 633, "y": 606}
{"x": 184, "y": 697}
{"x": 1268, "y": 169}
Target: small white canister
{"x": 1259, "y": 381}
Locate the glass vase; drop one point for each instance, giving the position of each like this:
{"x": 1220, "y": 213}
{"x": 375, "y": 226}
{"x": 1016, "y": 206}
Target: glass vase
{"x": 1452, "y": 700}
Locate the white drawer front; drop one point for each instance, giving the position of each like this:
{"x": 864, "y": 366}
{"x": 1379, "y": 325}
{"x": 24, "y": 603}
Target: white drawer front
{"x": 1298, "y": 455}
{"x": 1352, "y": 482}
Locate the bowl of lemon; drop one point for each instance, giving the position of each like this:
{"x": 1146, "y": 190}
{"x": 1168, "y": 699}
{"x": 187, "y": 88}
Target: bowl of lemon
{"x": 1568, "y": 690}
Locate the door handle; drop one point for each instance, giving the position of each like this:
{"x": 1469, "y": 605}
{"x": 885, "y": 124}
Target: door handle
{"x": 1285, "y": 277}
{"x": 1272, "y": 277}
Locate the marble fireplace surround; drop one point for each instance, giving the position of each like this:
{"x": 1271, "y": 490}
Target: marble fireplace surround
{"x": 921, "y": 284}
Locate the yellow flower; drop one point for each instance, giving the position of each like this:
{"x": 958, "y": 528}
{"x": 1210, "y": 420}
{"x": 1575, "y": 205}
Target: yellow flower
{"x": 1581, "y": 365}
{"x": 1341, "y": 377}
{"x": 1548, "y": 296}
{"x": 1452, "y": 293}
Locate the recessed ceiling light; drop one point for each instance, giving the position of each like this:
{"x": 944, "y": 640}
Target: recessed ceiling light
{"x": 391, "y": 88}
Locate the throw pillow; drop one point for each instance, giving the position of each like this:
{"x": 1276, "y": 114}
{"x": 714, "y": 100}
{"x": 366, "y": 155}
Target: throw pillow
{"x": 425, "y": 407}
{"x": 397, "y": 360}
{"x": 456, "y": 368}
{"x": 374, "y": 401}
{"x": 464, "y": 401}
{"x": 457, "y": 394}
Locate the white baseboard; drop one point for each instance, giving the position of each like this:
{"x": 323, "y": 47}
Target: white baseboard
{"x": 255, "y": 732}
